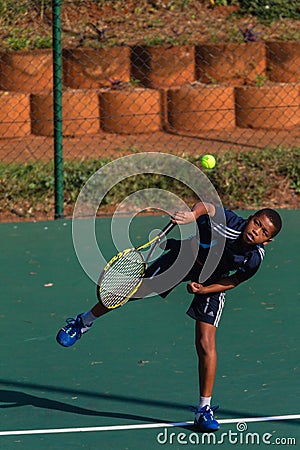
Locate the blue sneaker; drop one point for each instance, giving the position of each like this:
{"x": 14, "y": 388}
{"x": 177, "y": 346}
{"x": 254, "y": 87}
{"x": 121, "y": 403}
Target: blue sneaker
{"x": 205, "y": 421}
{"x": 69, "y": 334}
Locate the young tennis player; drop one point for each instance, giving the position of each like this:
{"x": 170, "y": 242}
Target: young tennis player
{"x": 240, "y": 259}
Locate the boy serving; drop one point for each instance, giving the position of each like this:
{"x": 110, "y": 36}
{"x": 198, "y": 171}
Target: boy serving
{"x": 243, "y": 242}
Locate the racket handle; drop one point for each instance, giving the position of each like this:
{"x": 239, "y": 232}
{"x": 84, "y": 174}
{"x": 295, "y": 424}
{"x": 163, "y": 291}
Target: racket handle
{"x": 167, "y": 229}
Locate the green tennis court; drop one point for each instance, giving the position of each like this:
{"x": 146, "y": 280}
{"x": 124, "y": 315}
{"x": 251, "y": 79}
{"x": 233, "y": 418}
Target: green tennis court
{"x": 134, "y": 375}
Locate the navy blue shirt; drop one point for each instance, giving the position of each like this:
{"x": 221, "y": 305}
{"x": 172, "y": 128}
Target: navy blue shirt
{"x": 236, "y": 257}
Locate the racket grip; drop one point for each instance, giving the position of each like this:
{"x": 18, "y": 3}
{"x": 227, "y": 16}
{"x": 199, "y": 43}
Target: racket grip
{"x": 167, "y": 228}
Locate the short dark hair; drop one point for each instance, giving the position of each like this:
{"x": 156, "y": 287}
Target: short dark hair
{"x": 273, "y": 216}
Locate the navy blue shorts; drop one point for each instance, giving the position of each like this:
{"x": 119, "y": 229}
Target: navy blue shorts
{"x": 207, "y": 308}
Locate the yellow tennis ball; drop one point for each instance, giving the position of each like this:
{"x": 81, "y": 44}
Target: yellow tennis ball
{"x": 208, "y": 161}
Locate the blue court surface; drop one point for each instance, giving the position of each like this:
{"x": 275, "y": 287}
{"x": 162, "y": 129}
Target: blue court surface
{"x": 129, "y": 383}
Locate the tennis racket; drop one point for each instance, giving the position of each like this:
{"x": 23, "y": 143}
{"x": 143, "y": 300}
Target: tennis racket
{"x": 123, "y": 274}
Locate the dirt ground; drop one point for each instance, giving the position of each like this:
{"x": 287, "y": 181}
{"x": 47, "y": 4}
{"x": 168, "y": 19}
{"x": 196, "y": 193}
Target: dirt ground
{"x": 39, "y": 148}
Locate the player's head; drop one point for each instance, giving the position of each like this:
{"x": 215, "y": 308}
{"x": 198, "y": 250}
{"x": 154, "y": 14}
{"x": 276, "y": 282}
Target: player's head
{"x": 262, "y": 227}
{"x": 273, "y": 217}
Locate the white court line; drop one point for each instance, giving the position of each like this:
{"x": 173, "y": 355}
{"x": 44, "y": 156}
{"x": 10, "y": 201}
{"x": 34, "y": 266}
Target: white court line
{"x": 142, "y": 426}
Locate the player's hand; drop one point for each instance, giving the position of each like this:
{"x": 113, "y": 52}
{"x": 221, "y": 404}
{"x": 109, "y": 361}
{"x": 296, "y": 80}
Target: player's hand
{"x": 195, "y": 288}
{"x": 182, "y": 217}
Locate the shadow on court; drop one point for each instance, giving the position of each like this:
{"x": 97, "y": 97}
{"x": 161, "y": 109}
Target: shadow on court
{"x": 14, "y": 399}
{"x": 101, "y": 382}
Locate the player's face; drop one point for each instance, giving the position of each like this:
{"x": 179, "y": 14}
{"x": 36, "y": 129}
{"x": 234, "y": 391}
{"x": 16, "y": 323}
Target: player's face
{"x": 258, "y": 230}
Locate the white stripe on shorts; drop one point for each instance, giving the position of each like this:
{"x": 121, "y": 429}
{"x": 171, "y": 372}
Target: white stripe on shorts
{"x": 220, "y": 309}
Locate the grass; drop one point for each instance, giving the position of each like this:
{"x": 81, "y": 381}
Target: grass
{"x": 26, "y": 24}
{"x": 243, "y": 180}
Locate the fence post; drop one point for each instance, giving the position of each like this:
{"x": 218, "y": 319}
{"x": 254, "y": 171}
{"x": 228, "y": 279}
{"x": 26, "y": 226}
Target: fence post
{"x": 57, "y": 110}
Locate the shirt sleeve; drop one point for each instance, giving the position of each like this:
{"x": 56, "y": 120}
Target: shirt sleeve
{"x": 229, "y": 221}
{"x": 250, "y": 266}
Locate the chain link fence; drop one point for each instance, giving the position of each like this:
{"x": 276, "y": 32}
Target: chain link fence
{"x": 187, "y": 98}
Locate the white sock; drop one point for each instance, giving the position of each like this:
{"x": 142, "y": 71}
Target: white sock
{"x": 88, "y": 318}
{"x": 204, "y": 401}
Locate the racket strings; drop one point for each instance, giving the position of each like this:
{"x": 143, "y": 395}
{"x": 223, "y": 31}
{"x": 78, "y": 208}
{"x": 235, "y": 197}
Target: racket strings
{"x": 121, "y": 278}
